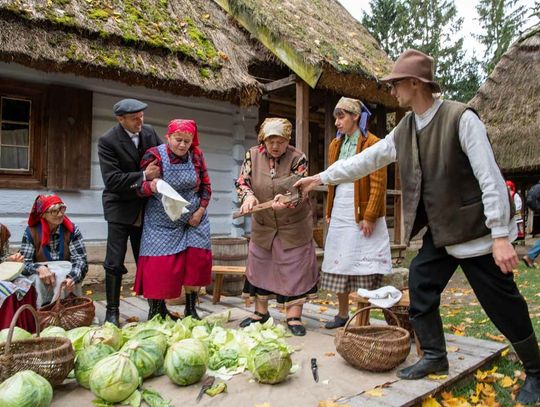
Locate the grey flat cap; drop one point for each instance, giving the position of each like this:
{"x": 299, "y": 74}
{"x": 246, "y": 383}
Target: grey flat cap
{"x": 128, "y": 106}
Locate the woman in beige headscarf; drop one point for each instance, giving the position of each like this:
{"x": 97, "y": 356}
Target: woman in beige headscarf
{"x": 281, "y": 257}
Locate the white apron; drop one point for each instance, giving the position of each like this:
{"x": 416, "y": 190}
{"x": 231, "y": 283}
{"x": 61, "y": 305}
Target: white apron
{"x": 347, "y": 251}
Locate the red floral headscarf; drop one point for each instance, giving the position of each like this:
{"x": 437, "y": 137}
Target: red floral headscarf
{"x": 41, "y": 204}
{"x": 184, "y": 126}
{"x": 512, "y": 187}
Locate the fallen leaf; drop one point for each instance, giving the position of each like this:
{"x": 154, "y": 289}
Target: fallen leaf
{"x": 132, "y": 319}
{"x": 452, "y": 349}
{"x": 506, "y": 381}
{"x": 376, "y": 392}
{"x": 88, "y": 292}
{"x": 323, "y": 309}
{"x": 430, "y": 402}
{"x": 498, "y": 338}
{"x": 505, "y": 352}
{"x": 329, "y": 354}
{"x": 438, "y": 377}
{"x": 263, "y": 405}
{"x": 331, "y": 403}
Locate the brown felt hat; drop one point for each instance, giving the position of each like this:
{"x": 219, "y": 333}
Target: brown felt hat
{"x": 414, "y": 64}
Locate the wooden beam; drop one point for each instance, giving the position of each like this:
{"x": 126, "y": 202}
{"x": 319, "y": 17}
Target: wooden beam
{"x": 302, "y": 116}
{"x": 280, "y": 83}
{"x": 329, "y": 127}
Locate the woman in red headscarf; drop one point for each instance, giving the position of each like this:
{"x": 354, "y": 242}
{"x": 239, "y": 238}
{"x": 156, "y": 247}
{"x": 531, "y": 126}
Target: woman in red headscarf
{"x": 175, "y": 253}
{"x": 518, "y": 203}
{"x": 50, "y": 240}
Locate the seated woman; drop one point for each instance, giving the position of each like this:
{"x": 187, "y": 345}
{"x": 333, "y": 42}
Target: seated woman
{"x": 281, "y": 253}
{"x": 175, "y": 253}
{"x": 16, "y": 292}
{"x": 53, "y": 249}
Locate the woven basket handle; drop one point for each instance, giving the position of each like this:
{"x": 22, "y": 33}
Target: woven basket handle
{"x": 57, "y": 304}
{"x": 368, "y": 308}
{"x": 14, "y": 322}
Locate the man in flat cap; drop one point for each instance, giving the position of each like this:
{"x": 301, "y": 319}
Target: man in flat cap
{"x": 452, "y": 185}
{"x": 120, "y": 151}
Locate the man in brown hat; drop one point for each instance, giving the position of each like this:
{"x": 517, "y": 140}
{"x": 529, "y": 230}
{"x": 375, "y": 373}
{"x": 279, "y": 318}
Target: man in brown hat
{"x": 452, "y": 185}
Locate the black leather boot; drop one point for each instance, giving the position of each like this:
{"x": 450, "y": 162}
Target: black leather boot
{"x": 191, "y": 301}
{"x": 528, "y": 352}
{"x": 164, "y": 311}
{"x": 430, "y": 333}
{"x": 113, "y": 283}
{"x": 154, "y": 308}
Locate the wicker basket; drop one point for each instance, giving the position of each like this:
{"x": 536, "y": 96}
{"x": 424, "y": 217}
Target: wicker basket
{"x": 373, "y": 348}
{"x": 68, "y": 313}
{"x": 402, "y": 314}
{"x": 51, "y": 358}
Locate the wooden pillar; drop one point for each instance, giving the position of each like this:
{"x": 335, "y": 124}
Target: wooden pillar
{"x": 380, "y": 114}
{"x": 302, "y": 116}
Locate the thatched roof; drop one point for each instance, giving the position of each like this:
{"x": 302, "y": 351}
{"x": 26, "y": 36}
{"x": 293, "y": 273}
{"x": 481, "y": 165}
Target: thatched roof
{"x": 183, "y": 47}
{"x": 319, "y": 41}
{"x": 509, "y": 104}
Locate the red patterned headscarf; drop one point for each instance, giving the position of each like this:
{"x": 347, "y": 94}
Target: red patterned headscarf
{"x": 41, "y": 205}
{"x": 184, "y": 126}
{"x": 512, "y": 187}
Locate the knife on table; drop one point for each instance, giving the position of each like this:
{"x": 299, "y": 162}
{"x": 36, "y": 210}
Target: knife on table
{"x": 314, "y": 369}
{"x": 206, "y": 384}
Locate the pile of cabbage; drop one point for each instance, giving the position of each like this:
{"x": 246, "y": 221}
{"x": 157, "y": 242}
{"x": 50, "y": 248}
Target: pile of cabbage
{"x": 112, "y": 362}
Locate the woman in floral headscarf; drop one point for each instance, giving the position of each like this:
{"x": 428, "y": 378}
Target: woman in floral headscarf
{"x": 175, "y": 253}
{"x": 281, "y": 258}
{"x": 50, "y": 240}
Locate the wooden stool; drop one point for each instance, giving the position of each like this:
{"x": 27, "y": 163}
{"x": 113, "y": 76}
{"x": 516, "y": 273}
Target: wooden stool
{"x": 219, "y": 272}
{"x": 363, "y": 318}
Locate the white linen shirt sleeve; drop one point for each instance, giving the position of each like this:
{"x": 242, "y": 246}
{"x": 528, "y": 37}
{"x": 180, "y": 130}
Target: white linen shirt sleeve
{"x": 360, "y": 165}
{"x": 475, "y": 144}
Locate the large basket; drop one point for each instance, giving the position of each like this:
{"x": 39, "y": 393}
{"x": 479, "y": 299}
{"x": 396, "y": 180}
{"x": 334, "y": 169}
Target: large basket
{"x": 318, "y": 237}
{"x": 68, "y": 313}
{"x": 51, "y": 358}
{"x": 371, "y": 347}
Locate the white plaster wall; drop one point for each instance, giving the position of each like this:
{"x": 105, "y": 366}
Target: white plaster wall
{"x": 222, "y": 128}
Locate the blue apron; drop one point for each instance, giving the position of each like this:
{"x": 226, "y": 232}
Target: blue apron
{"x": 161, "y": 236}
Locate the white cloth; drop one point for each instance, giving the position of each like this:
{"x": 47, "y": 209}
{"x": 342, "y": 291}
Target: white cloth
{"x": 45, "y": 294}
{"x": 173, "y": 203}
{"x": 475, "y": 144}
{"x": 134, "y": 137}
{"x": 384, "y": 297}
{"x": 347, "y": 251}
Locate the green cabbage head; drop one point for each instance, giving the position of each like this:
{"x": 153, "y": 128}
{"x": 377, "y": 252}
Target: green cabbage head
{"x": 26, "y": 389}
{"x": 53, "y": 331}
{"x": 18, "y": 334}
{"x": 87, "y": 359}
{"x": 114, "y": 378}
{"x": 186, "y": 361}
{"x": 145, "y": 354}
{"x": 270, "y": 362}
{"x": 108, "y": 334}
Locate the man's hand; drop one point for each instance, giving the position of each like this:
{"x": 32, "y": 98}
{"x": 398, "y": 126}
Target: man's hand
{"x": 19, "y": 258}
{"x": 196, "y": 217}
{"x": 69, "y": 284}
{"x": 504, "y": 254}
{"x": 249, "y": 202}
{"x": 152, "y": 171}
{"x": 46, "y": 276}
{"x": 306, "y": 184}
{"x": 367, "y": 227}
{"x": 327, "y": 219}
{"x": 153, "y": 185}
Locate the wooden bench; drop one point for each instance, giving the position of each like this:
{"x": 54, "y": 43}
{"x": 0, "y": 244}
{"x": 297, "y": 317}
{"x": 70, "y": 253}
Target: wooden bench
{"x": 363, "y": 319}
{"x": 219, "y": 272}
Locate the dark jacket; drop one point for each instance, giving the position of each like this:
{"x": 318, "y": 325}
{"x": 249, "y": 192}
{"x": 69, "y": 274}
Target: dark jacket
{"x": 120, "y": 160}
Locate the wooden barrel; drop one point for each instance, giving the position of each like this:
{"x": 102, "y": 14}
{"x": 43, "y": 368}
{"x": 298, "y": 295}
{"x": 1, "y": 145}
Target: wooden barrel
{"x": 229, "y": 251}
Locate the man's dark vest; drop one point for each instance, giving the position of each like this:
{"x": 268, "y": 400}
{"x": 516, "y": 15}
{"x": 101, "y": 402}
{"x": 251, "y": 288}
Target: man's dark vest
{"x": 434, "y": 168}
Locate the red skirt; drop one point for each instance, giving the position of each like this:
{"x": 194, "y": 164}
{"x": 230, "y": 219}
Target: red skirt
{"x": 162, "y": 277}
{"x": 11, "y": 305}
